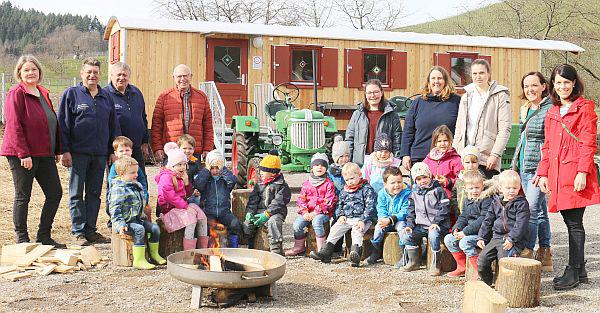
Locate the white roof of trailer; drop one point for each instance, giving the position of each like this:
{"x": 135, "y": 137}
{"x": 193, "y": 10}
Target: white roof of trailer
{"x": 338, "y": 33}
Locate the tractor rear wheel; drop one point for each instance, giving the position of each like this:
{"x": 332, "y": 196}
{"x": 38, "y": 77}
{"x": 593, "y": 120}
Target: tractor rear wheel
{"x": 242, "y": 148}
{"x": 253, "y": 174}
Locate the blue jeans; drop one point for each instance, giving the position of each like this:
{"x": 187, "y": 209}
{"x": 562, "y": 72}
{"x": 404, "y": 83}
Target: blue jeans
{"x": 317, "y": 223}
{"x": 139, "y": 229}
{"x": 85, "y": 186}
{"x": 468, "y": 244}
{"x": 379, "y": 233}
{"x": 539, "y": 224}
{"x": 434, "y": 237}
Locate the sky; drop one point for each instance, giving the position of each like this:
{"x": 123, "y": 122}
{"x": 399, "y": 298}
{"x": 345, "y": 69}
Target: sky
{"x": 417, "y": 11}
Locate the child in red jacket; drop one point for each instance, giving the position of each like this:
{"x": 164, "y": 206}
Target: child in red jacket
{"x": 443, "y": 161}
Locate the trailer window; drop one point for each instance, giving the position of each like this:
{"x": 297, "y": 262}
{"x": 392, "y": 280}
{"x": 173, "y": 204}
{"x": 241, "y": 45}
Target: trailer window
{"x": 302, "y": 70}
{"x": 227, "y": 64}
{"x": 461, "y": 70}
{"x": 375, "y": 66}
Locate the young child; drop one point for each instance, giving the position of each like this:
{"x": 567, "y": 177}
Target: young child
{"x": 355, "y": 211}
{"x": 462, "y": 242}
{"x": 173, "y": 189}
{"x": 340, "y": 153}
{"x": 392, "y": 209}
{"x": 505, "y": 228}
{"x": 127, "y": 201}
{"x": 215, "y": 183}
{"x": 187, "y": 144}
{"x": 428, "y": 215}
{"x": 267, "y": 203}
{"x": 443, "y": 160}
{"x": 377, "y": 161}
{"x": 123, "y": 146}
{"x": 470, "y": 162}
{"x": 315, "y": 205}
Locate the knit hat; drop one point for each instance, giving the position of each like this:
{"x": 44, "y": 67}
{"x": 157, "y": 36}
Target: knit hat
{"x": 470, "y": 150}
{"x": 215, "y": 158}
{"x": 420, "y": 169}
{"x": 174, "y": 154}
{"x": 340, "y": 147}
{"x": 383, "y": 142}
{"x": 270, "y": 163}
{"x": 319, "y": 159}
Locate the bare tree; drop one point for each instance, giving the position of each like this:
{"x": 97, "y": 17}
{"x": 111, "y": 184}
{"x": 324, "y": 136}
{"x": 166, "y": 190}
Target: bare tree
{"x": 315, "y": 13}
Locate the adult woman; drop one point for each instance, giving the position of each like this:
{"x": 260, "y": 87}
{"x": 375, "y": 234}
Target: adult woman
{"x": 484, "y": 118}
{"x": 526, "y": 159}
{"x": 375, "y": 115}
{"x": 31, "y": 141}
{"x": 437, "y": 105}
{"x": 567, "y": 169}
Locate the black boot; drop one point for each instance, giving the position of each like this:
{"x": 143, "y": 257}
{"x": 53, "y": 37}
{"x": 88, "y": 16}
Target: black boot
{"x": 338, "y": 251}
{"x": 413, "y": 259}
{"x": 376, "y": 253}
{"x": 569, "y": 280}
{"x": 435, "y": 269}
{"x": 355, "y": 255}
{"x": 325, "y": 254}
{"x": 583, "y": 278}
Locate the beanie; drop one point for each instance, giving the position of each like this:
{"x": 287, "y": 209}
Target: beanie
{"x": 383, "y": 142}
{"x": 174, "y": 154}
{"x": 340, "y": 147}
{"x": 270, "y": 163}
{"x": 470, "y": 150}
{"x": 420, "y": 169}
{"x": 215, "y": 158}
{"x": 319, "y": 159}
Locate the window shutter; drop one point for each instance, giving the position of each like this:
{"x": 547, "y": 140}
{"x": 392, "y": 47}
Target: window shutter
{"x": 398, "y": 71}
{"x": 443, "y": 60}
{"x": 329, "y": 67}
{"x": 115, "y": 47}
{"x": 280, "y": 70}
{"x": 486, "y": 57}
{"x": 353, "y": 73}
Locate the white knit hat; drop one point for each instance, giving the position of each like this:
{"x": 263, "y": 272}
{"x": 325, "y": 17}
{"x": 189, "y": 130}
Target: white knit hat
{"x": 174, "y": 154}
{"x": 215, "y": 158}
{"x": 470, "y": 150}
{"x": 340, "y": 147}
{"x": 419, "y": 169}
{"x": 319, "y": 159}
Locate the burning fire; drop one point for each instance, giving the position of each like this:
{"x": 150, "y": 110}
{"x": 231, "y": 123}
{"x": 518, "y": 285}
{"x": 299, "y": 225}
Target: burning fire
{"x": 217, "y": 233}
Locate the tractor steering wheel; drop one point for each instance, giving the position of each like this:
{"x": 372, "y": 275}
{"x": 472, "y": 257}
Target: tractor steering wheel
{"x": 286, "y": 93}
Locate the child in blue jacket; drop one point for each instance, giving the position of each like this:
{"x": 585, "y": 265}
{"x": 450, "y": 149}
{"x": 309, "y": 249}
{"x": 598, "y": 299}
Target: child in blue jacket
{"x": 392, "y": 209}
{"x": 215, "y": 183}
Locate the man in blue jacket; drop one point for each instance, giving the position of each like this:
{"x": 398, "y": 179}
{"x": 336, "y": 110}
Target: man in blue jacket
{"x": 88, "y": 124}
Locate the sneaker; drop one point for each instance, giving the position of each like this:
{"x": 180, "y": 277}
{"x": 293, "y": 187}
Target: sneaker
{"x": 51, "y": 242}
{"x": 80, "y": 240}
{"x": 96, "y": 237}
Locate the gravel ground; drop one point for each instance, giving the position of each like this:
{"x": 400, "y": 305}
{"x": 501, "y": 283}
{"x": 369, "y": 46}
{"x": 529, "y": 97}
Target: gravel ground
{"x": 307, "y": 286}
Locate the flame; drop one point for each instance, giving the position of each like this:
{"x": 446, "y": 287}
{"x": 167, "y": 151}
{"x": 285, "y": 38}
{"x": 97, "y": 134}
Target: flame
{"x": 217, "y": 232}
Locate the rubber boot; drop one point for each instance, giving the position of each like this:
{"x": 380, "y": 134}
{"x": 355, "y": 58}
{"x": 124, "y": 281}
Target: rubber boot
{"x": 473, "y": 262}
{"x": 189, "y": 244}
{"x": 569, "y": 280}
{"x": 583, "y": 278}
{"x": 298, "y": 247}
{"x": 376, "y": 253}
{"x": 139, "y": 258}
{"x": 413, "y": 259}
{"x": 154, "y": 255}
{"x": 320, "y": 242}
{"x": 233, "y": 241}
{"x": 544, "y": 255}
{"x": 202, "y": 242}
{"x": 461, "y": 262}
{"x": 323, "y": 255}
{"x": 435, "y": 268}
{"x": 338, "y": 250}
{"x": 355, "y": 254}
{"x": 276, "y": 248}
{"x": 403, "y": 258}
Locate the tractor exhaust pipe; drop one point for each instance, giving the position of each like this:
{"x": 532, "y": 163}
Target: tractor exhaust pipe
{"x": 314, "y": 69}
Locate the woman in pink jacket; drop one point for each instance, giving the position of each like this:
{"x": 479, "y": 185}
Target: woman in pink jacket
{"x": 174, "y": 188}
{"x": 566, "y": 170}
{"x": 316, "y": 203}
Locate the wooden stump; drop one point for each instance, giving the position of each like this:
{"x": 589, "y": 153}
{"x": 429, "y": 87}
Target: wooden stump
{"x": 122, "y": 249}
{"x": 519, "y": 281}
{"x": 311, "y": 237}
{"x": 239, "y": 200}
{"x": 169, "y": 242}
{"x": 447, "y": 260}
{"x": 261, "y": 239}
{"x": 392, "y": 251}
{"x": 366, "y": 247}
{"x": 481, "y": 298}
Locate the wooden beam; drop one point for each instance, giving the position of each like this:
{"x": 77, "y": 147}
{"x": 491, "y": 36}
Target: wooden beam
{"x": 481, "y": 298}
{"x": 16, "y": 276}
{"x": 47, "y": 270}
{"x": 7, "y": 269}
{"x": 19, "y": 249}
{"x": 91, "y": 254}
{"x": 30, "y": 257}
{"x": 215, "y": 263}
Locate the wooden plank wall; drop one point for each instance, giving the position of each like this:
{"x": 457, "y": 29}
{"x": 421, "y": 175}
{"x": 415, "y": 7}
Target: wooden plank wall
{"x": 153, "y": 54}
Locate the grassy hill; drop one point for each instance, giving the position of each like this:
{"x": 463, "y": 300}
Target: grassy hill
{"x": 577, "y": 22}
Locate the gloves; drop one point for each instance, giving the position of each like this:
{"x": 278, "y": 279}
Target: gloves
{"x": 260, "y": 219}
{"x": 250, "y": 217}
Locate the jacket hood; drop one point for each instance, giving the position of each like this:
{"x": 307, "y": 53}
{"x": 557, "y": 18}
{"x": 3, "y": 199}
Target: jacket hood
{"x": 490, "y": 188}
{"x": 434, "y": 155}
{"x": 21, "y": 87}
{"x": 494, "y": 88}
{"x": 163, "y": 172}
{"x": 120, "y": 183}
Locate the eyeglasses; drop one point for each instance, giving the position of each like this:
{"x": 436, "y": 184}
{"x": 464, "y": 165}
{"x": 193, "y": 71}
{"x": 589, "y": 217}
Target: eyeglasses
{"x": 373, "y": 93}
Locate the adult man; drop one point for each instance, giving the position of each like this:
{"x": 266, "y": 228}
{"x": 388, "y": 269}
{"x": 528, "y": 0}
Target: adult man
{"x": 131, "y": 110}
{"x": 182, "y": 110}
{"x": 88, "y": 125}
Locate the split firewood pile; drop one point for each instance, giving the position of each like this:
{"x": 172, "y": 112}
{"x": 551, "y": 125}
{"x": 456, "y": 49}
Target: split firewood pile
{"x": 34, "y": 259}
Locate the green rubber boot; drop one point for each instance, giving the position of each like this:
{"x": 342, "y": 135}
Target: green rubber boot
{"x": 139, "y": 258}
{"x": 154, "y": 255}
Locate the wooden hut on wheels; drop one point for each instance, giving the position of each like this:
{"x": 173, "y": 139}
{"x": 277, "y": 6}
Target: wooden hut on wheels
{"x": 245, "y": 60}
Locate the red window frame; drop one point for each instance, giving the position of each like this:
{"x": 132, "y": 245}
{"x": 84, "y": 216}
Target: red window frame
{"x": 388, "y": 55}
{"x": 115, "y": 49}
{"x": 444, "y": 59}
{"x": 305, "y": 84}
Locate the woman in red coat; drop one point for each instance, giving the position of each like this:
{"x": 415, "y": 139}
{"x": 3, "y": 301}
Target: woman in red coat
{"x": 566, "y": 170}
{"x": 31, "y": 141}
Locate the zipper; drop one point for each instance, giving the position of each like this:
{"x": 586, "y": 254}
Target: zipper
{"x": 217, "y": 197}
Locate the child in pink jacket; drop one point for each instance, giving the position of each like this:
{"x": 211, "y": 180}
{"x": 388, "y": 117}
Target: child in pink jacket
{"x": 173, "y": 189}
{"x": 316, "y": 203}
{"x": 443, "y": 161}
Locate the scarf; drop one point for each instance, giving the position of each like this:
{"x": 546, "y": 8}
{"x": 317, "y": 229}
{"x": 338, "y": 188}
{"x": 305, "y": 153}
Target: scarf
{"x": 317, "y": 181}
{"x": 381, "y": 163}
{"x": 436, "y": 155}
{"x": 269, "y": 180}
{"x": 355, "y": 187}
{"x": 185, "y": 95}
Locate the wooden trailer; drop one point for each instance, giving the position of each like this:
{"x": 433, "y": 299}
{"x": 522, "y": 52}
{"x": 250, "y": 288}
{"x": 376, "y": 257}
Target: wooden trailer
{"x": 245, "y": 59}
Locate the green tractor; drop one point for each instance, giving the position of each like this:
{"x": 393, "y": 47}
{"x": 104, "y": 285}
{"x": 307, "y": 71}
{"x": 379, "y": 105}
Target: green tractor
{"x": 299, "y": 134}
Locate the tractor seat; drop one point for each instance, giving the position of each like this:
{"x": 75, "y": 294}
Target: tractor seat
{"x": 402, "y": 105}
{"x": 274, "y": 106}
